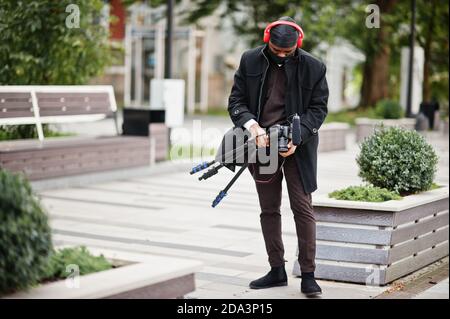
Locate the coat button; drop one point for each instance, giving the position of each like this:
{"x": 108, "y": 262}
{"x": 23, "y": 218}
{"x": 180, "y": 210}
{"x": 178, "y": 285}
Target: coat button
{"x": 314, "y": 130}
{"x": 236, "y": 112}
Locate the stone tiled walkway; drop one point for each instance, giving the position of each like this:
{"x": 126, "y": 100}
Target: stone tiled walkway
{"x": 439, "y": 291}
{"x": 169, "y": 214}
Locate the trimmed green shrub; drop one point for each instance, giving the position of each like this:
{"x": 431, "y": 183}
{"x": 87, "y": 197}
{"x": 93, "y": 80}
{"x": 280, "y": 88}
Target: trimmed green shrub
{"x": 365, "y": 194}
{"x": 80, "y": 256}
{"x": 397, "y": 159}
{"x": 25, "y": 236}
{"x": 388, "y": 109}
{"x": 14, "y": 132}
{"x": 38, "y": 46}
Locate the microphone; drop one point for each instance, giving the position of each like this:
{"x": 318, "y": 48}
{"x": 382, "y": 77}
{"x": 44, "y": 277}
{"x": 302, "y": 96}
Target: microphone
{"x": 296, "y": 130}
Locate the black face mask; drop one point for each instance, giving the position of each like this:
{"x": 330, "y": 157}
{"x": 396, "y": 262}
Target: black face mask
{"x": 278, "y": 59}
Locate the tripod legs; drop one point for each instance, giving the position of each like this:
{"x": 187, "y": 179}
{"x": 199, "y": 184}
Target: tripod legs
{"x": 223, "y": 192}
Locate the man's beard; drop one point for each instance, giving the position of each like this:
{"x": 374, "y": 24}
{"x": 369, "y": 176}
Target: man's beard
{"x": 278, "y": 59}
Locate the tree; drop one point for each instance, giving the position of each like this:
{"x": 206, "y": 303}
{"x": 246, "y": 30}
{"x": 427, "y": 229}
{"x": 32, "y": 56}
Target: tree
{"x": 37, "y": 46}
{"x": 250, "y": 17}
{"x": 432, "y": 35}
{"x": 324, "y": 21}
{"x": 375, "y": 43}
{"x": 375, "y": 84}
{"x": 382, "y": 47}
{"x": 42, "y": 43}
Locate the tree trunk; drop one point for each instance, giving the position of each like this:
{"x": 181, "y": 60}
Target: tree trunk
{"x": 375, "y": 84}
{"x": 376, "y": 76}
{"x": 366, "y": 84}
{"x": 426, "y": 86}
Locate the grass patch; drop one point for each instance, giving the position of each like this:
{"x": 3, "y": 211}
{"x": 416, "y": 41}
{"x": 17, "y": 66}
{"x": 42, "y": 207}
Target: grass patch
{"x": 434, "y": 186}
{"x": 349, "y": 116}
{"x": 59, "y": 134}
{"x": 365, "y": 194}
{"x": 18, "y": 132}
{"x": 59, "y": 261}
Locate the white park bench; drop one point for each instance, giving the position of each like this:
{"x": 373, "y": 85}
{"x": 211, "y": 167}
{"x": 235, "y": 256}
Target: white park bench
{"x": 53, "y": 157}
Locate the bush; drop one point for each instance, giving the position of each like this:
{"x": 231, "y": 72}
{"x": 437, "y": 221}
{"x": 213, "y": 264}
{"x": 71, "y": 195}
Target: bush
{"x": 388, "y": 109}
{"x": 35, "y": 43}
{"x": 38, "y": 44}
{"x": 80, "y": 256}
{"x": 25, "y": 236}
{"x": 14, "y": 132}
{"x": 365, "y": 194}
{"x": 397, "y": 159}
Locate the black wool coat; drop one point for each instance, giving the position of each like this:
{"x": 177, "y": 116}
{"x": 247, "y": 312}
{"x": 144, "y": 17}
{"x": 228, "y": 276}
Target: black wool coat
{"x": 306, "y": 95}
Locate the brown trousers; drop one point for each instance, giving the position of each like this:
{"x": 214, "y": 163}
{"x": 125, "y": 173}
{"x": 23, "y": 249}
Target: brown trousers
{"x": 269, "y": 194}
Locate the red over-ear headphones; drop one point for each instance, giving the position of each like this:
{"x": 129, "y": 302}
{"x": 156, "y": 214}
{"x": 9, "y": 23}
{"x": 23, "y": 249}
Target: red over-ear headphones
{"x": 292, "y": 24}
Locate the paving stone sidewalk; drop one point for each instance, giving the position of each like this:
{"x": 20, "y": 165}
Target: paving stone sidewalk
{"x": 169, "y": 214}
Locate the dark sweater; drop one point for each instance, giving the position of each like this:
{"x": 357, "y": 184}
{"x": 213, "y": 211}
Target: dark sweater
{"x": 274, "y": 110}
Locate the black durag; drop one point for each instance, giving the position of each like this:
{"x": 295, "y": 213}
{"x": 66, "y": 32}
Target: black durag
{"x": 283, "y": 36}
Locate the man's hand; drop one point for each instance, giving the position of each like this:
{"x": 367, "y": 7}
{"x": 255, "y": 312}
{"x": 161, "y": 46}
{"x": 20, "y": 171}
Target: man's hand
{"x": 262, "y": 139}
{"x": 290, "y": 151}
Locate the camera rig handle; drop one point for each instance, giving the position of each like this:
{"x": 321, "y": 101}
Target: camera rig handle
{"x": 211, "y": 172}
{"x": 201, "y": 167}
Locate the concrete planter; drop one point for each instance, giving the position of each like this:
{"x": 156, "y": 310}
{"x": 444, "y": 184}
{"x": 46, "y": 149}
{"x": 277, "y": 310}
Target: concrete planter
{"x": 155, "y": 278}
{"x": 376, "y": 243}
{"x": 332, "y": 136}
{"x": 159, "y": 142}
{"x": 366, "y": 126}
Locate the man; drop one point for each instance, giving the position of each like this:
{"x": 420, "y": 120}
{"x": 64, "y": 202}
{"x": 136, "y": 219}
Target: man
{"x": 273, "y": 82}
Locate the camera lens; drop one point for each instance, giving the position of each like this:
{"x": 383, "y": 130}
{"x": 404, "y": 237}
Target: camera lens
{"x": 283, "y": 144}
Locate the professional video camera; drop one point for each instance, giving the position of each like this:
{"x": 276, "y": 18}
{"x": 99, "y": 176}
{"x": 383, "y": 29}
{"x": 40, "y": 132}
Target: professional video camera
{"x": 238, "y": 148}
{"x": 288, "y": 132}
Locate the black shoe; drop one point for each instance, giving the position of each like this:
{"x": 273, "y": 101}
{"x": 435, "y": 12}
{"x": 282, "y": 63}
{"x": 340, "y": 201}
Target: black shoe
{"x": 309, "y": 285}
{"x": 276, "y": 277}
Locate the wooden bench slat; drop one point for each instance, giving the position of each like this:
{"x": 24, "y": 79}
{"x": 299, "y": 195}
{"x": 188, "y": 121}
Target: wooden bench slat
{"x": 73, "y": 111}
{"x": 91, "y": 95}
{"x": 15, "y": 95}
{"x": 15, "y": 104}
{"x": 14, "y": 114}
{"x": 16, "y": 108}
{"x": 50, "y": 104}
{"x": 73, "y": 103}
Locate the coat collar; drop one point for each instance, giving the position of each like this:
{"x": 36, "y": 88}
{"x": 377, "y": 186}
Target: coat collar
{"x": 263, "y": 48}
